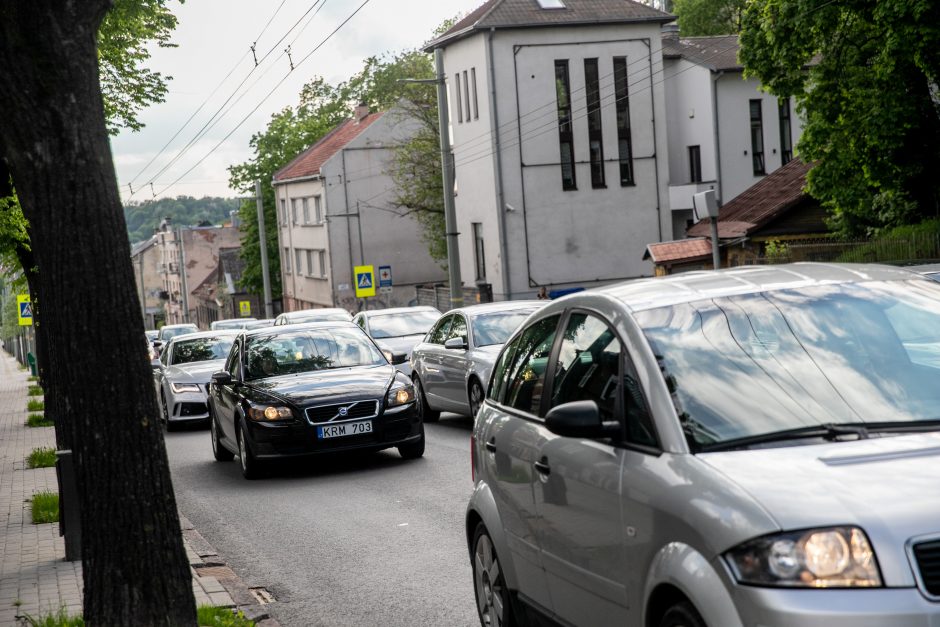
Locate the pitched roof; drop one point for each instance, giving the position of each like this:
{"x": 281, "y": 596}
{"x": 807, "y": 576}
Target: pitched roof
{"x": 682, "y": 249}
{"x": 527, "y": 14}
{"x": 760, "y": 203}
{"x": 309, "y": 162}
{"x": 715, "y": 53}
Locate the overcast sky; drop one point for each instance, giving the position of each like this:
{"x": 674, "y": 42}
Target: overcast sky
{"x": 213, "y": 37}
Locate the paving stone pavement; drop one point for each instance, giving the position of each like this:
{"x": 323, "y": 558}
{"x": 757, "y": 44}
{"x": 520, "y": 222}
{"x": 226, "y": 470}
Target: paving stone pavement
{"x": 35, "y": 579}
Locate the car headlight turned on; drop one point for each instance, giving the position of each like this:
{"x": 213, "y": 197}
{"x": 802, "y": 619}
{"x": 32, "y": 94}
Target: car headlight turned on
{"x": 400, "y": 394}
{"x": 269, "y": 413}
{"x": 834, "y": 557}
{"x": 180, "y": 388}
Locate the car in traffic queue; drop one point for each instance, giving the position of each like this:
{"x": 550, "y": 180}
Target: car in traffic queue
{"x": 260, "y": 324}
{"x": 929, "y": 270}
{"x": 231, "y": 323}
{"x": 755, "y": 446}
{"x": 452, "y": 364}
{"x": 169, "y": 331}
{"x": 186, "y": 366}
{"x": 324, "y": 314}
{"x": 397, "y": 330}
{"x": 305, "y": 389}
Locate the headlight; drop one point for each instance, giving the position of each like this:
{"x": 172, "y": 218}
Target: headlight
{"x": 268, "y": 413}
{"x": 400, "y": 394}
{"x": 180, "y": 388}
{"x": 836, "y": 557}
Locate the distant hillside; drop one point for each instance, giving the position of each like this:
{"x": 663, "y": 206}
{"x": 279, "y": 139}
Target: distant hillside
{"x": 143, "y": 217}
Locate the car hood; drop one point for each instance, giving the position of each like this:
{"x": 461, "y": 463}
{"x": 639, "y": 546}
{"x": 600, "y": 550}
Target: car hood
{"x": 889, "y": 486}
{"x": 326, "y": 386}
{"x": 196, "y": 372}
{"x": 404, "y": 344}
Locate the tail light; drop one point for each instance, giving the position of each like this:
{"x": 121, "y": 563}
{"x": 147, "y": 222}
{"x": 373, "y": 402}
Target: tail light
{"x": 473, "y": 459}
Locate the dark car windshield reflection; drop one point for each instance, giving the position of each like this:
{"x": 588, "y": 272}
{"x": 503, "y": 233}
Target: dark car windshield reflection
{"x": 402, "y": 324}
{"x": 495, "y": 328}
{"x": 200, "y": 349}
{"x": 756, "y": 364}
{"x": 309, "y": 351}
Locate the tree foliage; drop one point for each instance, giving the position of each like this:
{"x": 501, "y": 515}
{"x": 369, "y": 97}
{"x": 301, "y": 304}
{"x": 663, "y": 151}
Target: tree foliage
{"x": 143, "y": 217}
{"x": 865, "y": 77}
{"x": 709, "y": 17}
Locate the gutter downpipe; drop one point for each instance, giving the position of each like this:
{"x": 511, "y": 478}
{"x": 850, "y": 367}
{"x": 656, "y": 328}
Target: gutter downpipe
{"x": 720, "y": 191}
{"x": 500, "y": 199}
{"x": 349, "y": 249}
{"x": 659, "y": 203}
{"x": 525, "y": 219}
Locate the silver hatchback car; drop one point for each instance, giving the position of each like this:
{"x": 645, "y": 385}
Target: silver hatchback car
{"x": 750, "y": 447}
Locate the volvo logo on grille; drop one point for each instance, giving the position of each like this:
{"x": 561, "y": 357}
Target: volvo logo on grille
{"x": 343, "y": 411}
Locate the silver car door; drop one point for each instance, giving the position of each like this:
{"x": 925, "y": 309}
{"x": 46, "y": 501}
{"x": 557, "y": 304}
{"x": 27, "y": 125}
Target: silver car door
{"x": 430, "y": 369}
{"x": 454, "y": 367}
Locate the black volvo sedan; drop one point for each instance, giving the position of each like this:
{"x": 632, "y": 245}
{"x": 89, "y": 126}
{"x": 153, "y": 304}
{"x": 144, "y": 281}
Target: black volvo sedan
{"x": 304, "y": 389}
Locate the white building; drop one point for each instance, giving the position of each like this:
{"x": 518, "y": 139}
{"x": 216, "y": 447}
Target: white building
{"x": 724, "y": 133}
{"x": 335, "y": 212}
{"x": 558, "y": 120}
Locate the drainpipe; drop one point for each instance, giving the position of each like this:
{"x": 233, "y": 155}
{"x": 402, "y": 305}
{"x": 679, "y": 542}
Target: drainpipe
{"x": 498, "y": 159}
{"x": 349, "y": 249}
{"x": 719, "y": 191}
{"x": 659, "y": 205}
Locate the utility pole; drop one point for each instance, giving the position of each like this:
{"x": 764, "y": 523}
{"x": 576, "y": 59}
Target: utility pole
{"x": 265, "y": 273}
{"x": 182, "y": 269}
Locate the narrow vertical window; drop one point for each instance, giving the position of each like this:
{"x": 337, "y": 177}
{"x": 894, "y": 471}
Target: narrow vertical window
{"x": 479, "y": 256}
{"x": 757, "y": 137}
{"x": 310, "y": 262}
{"x": 283, "y": 211}
{"x": 565, "y": 140}
{"x": 318, "y": 209}
{"x": 299, "y": 255}
{"x": 457, "y": 97}
{"x": 306, "y": 205}
{"x": 466, "y": 95}
{"x": 287, "y": 260}
{"x": 473, "y": 82}
{"x": 624, "y": 140}
{"x": 294, "y": 210}
{"x": 695, "y": 164}
{"x": 786, "y": 139}
{"x": 321, "y": 262}
{"x": 595, "y": 135}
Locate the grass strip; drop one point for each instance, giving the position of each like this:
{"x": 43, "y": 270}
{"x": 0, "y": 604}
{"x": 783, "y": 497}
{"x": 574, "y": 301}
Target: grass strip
{"x": 35, "y": 405}
{"x": 43, "y": 457}
{"x": 45, "y": 506}
{"x": 39, "y": 420}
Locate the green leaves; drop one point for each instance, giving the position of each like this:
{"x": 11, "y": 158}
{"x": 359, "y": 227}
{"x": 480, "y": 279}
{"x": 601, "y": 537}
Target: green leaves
{"x": 709, "y": 17}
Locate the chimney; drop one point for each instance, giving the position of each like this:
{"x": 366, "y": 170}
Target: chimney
{"x": 670, "y": 31}
{"x": 361, "y": 111}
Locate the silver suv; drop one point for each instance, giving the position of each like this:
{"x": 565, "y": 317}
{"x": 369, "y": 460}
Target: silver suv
{"x": 758, "y": 446}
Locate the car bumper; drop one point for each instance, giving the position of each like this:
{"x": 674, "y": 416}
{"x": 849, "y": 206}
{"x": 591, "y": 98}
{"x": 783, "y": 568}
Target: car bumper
{"x": 187, "y": 407}
{"x": 881, "y": 607}
{"x": 272, "y": 440}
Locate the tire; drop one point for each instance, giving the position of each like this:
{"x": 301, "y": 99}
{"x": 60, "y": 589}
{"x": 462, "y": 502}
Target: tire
{"x": 682, "y": 614}
{"x": 167, "y": 424}
{"x": 219, "y": 451}
{"x": 475, "y": 396}
{"x": 413, "y": 450}
{"x": 251, "y": 467}
{"x": 494, "y": 606}
{"x": 427, "y": 414}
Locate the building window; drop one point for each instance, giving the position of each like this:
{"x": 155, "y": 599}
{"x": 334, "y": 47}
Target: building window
{"x": 310, "y": 263}
{"x": 298, "y": 254}
{"x": 786, "y": 140}
{"x": 757, "y": 137}
{"x": 321, "y": 262}
{"x": 565, "y": 137}
{"x": 295, "y": 210}
{"x": 287, "y": 260}
{"x": 466, "y": 95}
{"x": 595, "y": 133}
{"x": 479, "y": 257}
{"x": 306, "y": 206}
{"x": 283, "y": 211}
{"x": 695, "y": 164}
{"x": 457, "y": 97}
{"x": 318, "y": 209}
{"x": 624, "y": 140}
{"x": 476, "y": 104}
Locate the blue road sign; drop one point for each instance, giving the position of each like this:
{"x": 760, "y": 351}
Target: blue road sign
{"x": 385, "y": 276}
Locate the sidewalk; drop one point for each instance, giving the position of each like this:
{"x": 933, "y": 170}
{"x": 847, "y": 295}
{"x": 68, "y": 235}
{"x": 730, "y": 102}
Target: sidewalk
{"x": 34, "y": 578}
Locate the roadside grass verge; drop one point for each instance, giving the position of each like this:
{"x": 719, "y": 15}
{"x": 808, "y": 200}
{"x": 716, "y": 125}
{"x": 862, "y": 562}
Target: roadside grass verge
{"x": 35, "y": 390}
{"x": 207, "y": 615}
{"x": 39, "y": 420}
{"x": 45, "y": 506}
{"x": 35, "y": 405}
{"x": 32, "y": 377}
{"x": 43, "y": 457}
{"x": 60, "y": 618}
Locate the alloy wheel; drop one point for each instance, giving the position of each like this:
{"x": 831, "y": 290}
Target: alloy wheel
{"x": 488, "y": 583}
{"x": 476, "y": 398}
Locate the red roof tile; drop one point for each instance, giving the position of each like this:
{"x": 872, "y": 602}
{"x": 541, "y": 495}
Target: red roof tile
{"x": 682, "y": 249}
{"x": 760, "y": 203}
{"x": 309, "y": 162}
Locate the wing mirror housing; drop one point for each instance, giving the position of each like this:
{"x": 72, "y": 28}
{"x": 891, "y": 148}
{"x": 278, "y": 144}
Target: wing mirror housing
{"x": 223, "y": 377}
{"x": 399, "y": 358}
{"x": 580, "y": 419}
{"x": 456, "y": 343}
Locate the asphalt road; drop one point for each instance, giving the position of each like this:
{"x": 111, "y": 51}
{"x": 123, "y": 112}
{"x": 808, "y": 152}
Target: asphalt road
{"x": 368, "y": 540}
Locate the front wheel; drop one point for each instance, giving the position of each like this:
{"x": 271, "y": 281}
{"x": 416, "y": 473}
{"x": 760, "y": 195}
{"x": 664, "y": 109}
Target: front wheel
{"x": 220, "y": 453}
{"x": 475, "y": 396}
{"x": 251, "y": 467}
{"x": 427, "y": 414}
{"x": 413, "y": 450}
{"x": 167, "y": 424}
{"x": 682, "y": 614}
{"x": 489, "y": 585}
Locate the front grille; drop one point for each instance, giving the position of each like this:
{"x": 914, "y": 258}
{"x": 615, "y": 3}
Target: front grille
{"x": 334, "y": 413}
{"x": 927, "y": 555}
{"x": 192, "y": 409}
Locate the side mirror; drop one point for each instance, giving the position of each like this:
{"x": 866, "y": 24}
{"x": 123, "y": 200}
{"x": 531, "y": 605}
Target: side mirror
{"x": 222, "y": 377}
{"x": 459, "y": 343}
{"x": 580, "y": 419}
{"x": 157, "y": 344}
{"x": 399, "y": 358}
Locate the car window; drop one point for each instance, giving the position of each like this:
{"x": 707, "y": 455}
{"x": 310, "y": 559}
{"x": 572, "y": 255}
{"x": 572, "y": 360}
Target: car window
{"x": 458, "y": 328}
{"x": 498, "y": 381}
{"x": 201, "y": 349}
{"x": 402, "y": 324}
{"x": 438, "y": 334}
{"x": 309, "y": 350}
{"x": 495, "y": 328}
{"x": 232, "y": 364}
{"x": 165, "y": 356}
{"x": 361, "y": 321}
{"x": 525, "y": 374}
{"x": 588, "y": 366}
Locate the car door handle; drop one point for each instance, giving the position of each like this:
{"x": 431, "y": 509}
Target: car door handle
{"x": 543, "y": 467}
{"x": 491, "y": 446}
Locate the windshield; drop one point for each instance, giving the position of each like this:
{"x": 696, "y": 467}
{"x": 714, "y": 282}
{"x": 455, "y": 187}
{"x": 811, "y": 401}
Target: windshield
{"x": 308, "y": 351}
{"x": 231, "y": 324}
{"x": 334, "y": 316}
{"x": 400, "y": 324}
{"x": 751, "y": 365}
{"x": 200, "y": 349}
{"x": 170, "y": 333}
{"x": 495, "y": 328}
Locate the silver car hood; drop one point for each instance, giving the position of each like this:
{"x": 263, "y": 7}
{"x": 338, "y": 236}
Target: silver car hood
{"x": 404, "y": 344}
{"x": 196, "y": 372}
{"x": 888, "y": 486}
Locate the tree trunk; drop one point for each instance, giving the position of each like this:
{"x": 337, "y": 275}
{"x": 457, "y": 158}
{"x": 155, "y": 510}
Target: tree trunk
{"x": 54, "y": 140}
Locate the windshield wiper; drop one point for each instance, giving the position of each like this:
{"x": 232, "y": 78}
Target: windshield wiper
{"x": 829, "y": 431}
{"x": 906, "y": 426}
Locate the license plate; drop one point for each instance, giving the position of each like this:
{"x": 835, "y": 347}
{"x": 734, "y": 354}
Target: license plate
{"x": 348, "y": 428}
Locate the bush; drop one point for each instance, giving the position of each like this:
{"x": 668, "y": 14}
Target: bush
{"x": 41, "y": 458}
{"x": 35, "y": 390}
{"x": 914, "y": 242}
{"x": 59, "y": 619}
{"x": 210, "y": 616}
{"x": 34, "y": 405}
{"x": 45, "y": 508}
{"x": 39, "y": 420}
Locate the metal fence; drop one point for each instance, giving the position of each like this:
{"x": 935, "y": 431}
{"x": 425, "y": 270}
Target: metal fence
{"x": 914, "y": 248}
{"x": 438, "y": 296}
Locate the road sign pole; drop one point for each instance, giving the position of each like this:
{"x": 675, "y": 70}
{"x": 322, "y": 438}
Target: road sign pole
{"x": 447, "y": 164}
{"x": 262, "y": 238}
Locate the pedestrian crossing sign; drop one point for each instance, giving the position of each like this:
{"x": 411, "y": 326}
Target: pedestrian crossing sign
{"x": 25, "y": 309}
{"x": 365, "y": 281}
